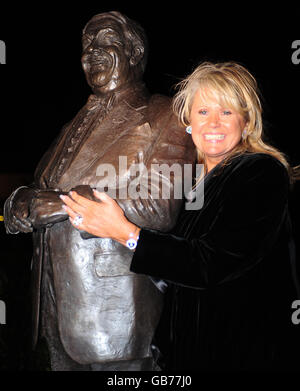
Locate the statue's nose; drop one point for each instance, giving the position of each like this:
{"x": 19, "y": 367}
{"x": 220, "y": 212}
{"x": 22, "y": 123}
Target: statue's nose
{"x": 87, "y": 52}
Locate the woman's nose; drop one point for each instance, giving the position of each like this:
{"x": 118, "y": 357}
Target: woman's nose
{"x": 214, "y": 120}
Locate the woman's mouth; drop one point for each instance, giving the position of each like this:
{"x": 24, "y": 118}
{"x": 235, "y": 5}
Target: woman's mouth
{"x": 214, "y": 137}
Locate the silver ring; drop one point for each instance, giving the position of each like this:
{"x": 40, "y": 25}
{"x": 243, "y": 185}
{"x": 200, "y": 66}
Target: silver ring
{"x": 78, "y": 220}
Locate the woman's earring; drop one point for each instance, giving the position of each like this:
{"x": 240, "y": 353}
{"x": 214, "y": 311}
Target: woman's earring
{"x": 188, "y": 129}
{"x": 244, "y": 134}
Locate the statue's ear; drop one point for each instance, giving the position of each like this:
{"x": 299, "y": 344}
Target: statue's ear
{"x": 136, "y": 55}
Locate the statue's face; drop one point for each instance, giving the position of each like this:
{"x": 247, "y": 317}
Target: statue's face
{"x": 104, "y": 61}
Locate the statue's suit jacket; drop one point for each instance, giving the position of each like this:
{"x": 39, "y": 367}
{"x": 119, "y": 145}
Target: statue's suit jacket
{"x": 105, "y": 312}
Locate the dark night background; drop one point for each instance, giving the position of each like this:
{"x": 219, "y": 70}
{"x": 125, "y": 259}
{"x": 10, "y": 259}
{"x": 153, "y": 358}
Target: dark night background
{"x": 42, "y": 87}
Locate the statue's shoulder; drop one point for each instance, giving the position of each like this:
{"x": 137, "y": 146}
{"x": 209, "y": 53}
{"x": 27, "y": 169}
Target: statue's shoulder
{"x": 161, "y": 102}
{"x": 175, "y": 143}
{"x": 160, "y": 108}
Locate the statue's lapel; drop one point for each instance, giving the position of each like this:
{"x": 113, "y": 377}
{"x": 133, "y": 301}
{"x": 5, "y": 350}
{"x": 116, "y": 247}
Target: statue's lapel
{"x": 104, "y": 144}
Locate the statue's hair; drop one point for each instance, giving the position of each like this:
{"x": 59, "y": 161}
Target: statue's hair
{"x": 133, "y": 32}
{"x": 232, "y": 86}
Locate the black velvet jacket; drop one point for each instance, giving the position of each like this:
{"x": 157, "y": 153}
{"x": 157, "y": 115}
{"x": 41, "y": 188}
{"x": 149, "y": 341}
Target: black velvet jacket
{"x": 230, "y": 279}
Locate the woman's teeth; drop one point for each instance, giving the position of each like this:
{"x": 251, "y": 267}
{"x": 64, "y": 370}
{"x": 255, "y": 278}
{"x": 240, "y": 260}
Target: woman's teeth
{"x": 214, "y": 136}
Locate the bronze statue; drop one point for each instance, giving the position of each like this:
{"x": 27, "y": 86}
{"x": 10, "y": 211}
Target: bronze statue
{"x": 93, "y": 312}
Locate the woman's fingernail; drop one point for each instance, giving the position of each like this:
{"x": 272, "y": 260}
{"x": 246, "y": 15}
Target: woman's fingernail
{"x": 62, "y": 197}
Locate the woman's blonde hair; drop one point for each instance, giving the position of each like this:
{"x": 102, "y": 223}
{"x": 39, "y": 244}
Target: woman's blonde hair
{"x": 232, "y": 86}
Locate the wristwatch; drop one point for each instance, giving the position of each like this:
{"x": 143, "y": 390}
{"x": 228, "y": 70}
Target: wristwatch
{"x": 131, "y": 243}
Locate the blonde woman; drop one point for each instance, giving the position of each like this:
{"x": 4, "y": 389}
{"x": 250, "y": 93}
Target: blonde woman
{"x": 227, "y": 266}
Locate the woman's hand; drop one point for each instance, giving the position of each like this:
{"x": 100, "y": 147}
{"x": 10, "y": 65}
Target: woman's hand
{"x": 105, "y": 219}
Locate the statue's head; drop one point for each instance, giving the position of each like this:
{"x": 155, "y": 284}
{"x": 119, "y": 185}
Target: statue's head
{"x": 114, "y": 52}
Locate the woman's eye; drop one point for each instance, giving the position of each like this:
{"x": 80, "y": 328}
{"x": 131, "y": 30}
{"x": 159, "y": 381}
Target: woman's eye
{"x": 202, "y": 112}
{"x": 226, "y": 112}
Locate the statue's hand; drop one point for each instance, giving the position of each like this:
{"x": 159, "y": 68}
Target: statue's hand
{"x": 17, "y": 210}
{"x": 47, "y": 208}
{"x": 85, "y": 191}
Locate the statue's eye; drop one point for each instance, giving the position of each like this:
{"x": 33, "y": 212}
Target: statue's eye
{"x": 86, "y": 41}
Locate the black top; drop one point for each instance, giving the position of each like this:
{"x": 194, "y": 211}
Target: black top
{"x": 230, "y": 279}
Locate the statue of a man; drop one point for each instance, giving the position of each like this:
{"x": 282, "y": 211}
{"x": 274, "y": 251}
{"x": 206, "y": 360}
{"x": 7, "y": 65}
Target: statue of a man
{"x": 92, "y": 311}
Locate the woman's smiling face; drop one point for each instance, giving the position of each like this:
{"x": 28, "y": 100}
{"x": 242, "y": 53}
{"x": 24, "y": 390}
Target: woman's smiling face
{"x": 216, "y": 130}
